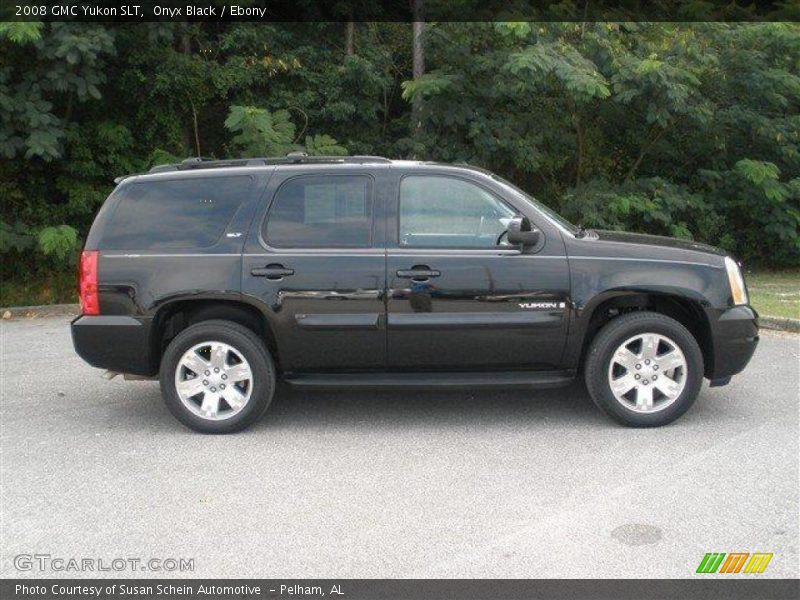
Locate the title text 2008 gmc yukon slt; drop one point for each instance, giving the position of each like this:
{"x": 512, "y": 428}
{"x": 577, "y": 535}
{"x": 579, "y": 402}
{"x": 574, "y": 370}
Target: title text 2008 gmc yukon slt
{"x": 221, "y": 276}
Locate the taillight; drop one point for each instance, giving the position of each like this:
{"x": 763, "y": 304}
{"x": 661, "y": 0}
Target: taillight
{"x": 87, "y": 283}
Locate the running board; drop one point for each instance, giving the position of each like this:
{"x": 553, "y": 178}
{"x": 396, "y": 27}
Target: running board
{"x": 524, "y": 379}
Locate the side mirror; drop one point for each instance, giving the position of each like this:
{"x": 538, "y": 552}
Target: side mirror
{"x": 521, "y": 232}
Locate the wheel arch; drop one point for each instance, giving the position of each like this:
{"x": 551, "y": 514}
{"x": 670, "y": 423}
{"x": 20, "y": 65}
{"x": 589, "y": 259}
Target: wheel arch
{"x": 686, "y": 308}
{"x": 174, "y": 317}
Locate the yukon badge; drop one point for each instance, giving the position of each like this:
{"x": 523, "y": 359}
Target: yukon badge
{"x": 542, "y": 305}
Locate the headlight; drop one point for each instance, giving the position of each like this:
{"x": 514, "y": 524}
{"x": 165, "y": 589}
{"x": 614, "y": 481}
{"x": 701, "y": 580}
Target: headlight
{"x": 736, "y": 281}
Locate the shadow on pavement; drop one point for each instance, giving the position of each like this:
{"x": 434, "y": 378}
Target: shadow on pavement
{"x": 570, "y": 406}
{"x": 360, "y": 409}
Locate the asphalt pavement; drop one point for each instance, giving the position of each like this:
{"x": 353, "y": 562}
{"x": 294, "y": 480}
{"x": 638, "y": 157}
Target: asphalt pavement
{"x": 391, "y": 484}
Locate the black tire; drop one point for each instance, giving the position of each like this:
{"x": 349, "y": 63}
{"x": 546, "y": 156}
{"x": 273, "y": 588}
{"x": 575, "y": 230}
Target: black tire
{"x": 605, "y": 344}
{"x": 246, "y": 342}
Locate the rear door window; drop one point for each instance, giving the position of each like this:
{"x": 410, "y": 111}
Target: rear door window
{"x": 172, "y": 214}
{"x": 321, "y": 211}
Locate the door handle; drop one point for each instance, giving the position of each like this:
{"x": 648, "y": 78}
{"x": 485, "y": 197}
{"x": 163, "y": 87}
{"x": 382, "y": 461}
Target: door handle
{"x": 273, "y": 272}
{"x": 418, "y": 274}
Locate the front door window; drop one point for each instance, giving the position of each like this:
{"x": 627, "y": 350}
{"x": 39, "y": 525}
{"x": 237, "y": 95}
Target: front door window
{"x": 447, "y": 212}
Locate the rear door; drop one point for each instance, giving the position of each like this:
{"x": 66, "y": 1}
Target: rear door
{"x": 314, "y": 260}
{"x": 460, "y": 297}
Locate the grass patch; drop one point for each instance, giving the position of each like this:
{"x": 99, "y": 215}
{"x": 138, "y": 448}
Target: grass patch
{"x": 775, "y": 293}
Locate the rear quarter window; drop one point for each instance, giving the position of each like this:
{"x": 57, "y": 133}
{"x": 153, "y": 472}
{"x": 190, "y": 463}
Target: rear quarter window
{"x": 174, "y": 213}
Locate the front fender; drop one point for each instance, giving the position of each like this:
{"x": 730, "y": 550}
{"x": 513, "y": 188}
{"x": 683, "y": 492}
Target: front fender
{"x": 596, "y": 281}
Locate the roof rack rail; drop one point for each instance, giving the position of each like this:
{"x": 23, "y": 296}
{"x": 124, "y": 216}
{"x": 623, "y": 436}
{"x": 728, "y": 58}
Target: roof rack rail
{"x": 293, "y": 158}
{"x": 206, "y": 163}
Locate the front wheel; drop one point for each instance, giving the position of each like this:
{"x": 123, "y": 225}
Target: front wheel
{"x": 217, "y": 377}
{"x": 644, "y": 369}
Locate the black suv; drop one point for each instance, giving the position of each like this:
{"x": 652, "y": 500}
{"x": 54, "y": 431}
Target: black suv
{"x": 221, "y": 276}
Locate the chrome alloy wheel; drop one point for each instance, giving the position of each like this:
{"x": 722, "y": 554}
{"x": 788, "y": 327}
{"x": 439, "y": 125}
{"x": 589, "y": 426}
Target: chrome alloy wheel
{"x": 647, "y": 373}
{"x": 214, "y": 380}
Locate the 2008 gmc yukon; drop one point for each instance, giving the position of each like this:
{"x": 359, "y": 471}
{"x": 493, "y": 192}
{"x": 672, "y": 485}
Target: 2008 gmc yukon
{"x": 221, "y": 276}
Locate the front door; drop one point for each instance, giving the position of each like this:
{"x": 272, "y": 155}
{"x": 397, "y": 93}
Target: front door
{"x": 315, "y": 262}
{"x": 460, "y": 297}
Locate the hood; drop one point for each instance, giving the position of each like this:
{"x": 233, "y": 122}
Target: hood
{"x": 657, "y": 240}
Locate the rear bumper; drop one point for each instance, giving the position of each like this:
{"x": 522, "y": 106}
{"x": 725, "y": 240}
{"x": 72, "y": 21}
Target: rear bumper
{"x": 116, "y": 343}
{"x": 735, "y": 334}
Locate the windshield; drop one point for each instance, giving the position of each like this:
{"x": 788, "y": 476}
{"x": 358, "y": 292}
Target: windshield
{"x": 543, "y": 208}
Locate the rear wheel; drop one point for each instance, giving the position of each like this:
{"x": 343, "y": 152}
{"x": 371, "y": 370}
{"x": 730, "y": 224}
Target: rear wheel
{"x": 217, "y": 377}
{"x": 644, "y": 369}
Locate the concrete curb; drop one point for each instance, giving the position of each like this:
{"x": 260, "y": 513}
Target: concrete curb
{"x": 780, "y": 323}
{"x": 65, "y": 310}
{"x": 31, "y": 312}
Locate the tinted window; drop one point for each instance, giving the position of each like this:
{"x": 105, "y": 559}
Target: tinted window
{"x": 448, "y": 212}
{"x": 321, "y": 212}
{"x": 177, "y": 213}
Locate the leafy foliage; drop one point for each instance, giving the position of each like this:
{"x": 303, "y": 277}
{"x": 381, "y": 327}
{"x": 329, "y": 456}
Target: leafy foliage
{"x": 648, "y": 204}
{"x": 259, "y": 132}
{"x": 16, "y": 238}
{"x": 324, "y": 145}
{"x": 57, "y": 241}
{"x": 20, "y": 33}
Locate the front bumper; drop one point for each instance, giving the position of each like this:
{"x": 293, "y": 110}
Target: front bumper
{"x": 116, "y": 343}
{"x": 735, "y": 335}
